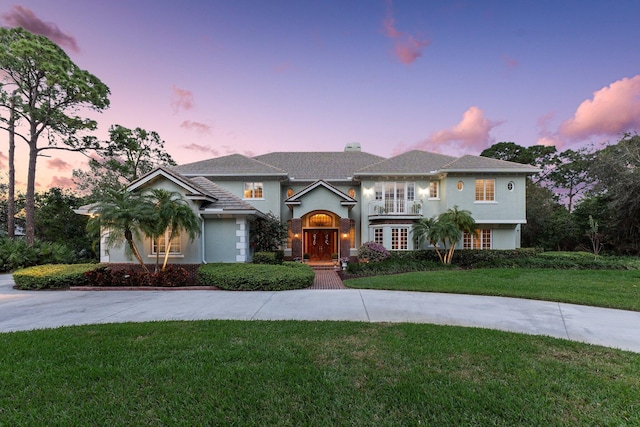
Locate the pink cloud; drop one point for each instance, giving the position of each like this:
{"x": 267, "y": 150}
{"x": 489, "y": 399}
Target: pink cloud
{"x": 201, "y": 149}
{"x": 58, "y": 164}
{"x": 181, "y": 99}
{"x": 471, "y": 135}
{"x": 407, "y": 48}
{"x": 23, "y": 17}
{"x": 612, "y": 110}
{"x": 3, "y": 160}
{"x": 62, "y": 182}
{"x": 200, "y": 128}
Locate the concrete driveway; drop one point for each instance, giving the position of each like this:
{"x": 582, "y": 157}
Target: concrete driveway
{"x": 25, "y": 310}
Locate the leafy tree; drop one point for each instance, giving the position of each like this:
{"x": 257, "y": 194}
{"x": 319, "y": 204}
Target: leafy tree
{"x": 616, "y": 171}
{"x": 128, "y": 155}
{"x": 549, "y": 224}
{"x": 594, "y": 207}
{"x": 571, "y": 175}
{"x": 446, "y": 228}
{"x": 269, "y": 234}
{"x": 541, "y": 156}
{"x": 172, "y": 214}
{"x": 122, "y": 216}
{"x": 46, "y": 90}
{"x": 56, "y": 222}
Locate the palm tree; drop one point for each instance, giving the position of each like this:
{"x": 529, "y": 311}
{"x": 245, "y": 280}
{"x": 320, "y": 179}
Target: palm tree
{"x": 121, "y": 214}
{"x": 459, "y": 221}
{"x": 427, "y": 230}
{"x": 172, "y": 214}
{"x": 446, "y": 228}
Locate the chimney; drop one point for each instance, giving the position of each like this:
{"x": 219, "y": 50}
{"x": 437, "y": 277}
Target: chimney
{"x": 352, "y": 146}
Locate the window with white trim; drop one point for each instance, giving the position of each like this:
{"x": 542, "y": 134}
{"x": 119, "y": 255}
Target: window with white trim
{"x": 400, "y": 239}
{"x": 160, "y": 244}
{"x": 433, "y": 190}
{"x": 485, "y": 190}
{"x": 378, "y": 235}
{"x": 480, "y": 240}
{"x": 253, "y": 190}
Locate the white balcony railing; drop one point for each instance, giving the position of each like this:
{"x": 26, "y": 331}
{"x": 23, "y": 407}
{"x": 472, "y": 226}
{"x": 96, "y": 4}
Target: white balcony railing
{"x": 395, "y": 207}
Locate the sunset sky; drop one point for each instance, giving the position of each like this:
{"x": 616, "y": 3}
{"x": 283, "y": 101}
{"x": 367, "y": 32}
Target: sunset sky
{"x": 217, "y": 77}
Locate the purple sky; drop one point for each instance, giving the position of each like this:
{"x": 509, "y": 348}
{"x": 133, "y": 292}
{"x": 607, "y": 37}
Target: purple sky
{"x": 250, "y": 76}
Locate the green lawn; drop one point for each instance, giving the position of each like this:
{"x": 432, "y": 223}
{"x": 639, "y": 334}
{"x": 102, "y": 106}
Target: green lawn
{"x": 310, "y": 373}
{"x": 601, "y": 288}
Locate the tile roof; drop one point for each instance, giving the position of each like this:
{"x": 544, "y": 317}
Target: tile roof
{"x": 314, "y": 166}
{"x": 224, "y": 199}
{"x": 414, "y": 162}
{"x": 232, "y": 165}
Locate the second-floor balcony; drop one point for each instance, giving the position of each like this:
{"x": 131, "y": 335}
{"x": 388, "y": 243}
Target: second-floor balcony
{"x": 395, "y": 208}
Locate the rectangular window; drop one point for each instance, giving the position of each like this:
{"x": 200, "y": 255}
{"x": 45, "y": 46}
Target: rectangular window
{"x": 411, "y": 191}
{"x": 378, "y": 190}
{"x": 481, "y": 240}
{"x": 378, "y": 236}
{"x": 433, "y": 190}
{"x": 160, "y": 244}
{"x": 399, "y": 239}
{"x": 485, "y": 190}
{"x": 253, "y": 190}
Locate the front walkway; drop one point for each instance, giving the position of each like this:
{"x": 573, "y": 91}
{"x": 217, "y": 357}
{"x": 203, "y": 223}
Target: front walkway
{"x": 327, "y": 279}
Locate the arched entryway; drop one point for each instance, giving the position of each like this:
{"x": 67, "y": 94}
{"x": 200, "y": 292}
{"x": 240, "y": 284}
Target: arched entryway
{"x": 320, "y": 235}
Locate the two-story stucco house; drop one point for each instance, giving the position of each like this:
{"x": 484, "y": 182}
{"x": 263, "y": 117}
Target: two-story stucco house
{"x": 333, "y": 202}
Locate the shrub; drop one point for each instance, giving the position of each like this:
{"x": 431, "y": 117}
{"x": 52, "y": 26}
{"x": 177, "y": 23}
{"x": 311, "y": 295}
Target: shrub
{"x": 256, "y": 277}
{"x": 273, "y": 258}
{"x": 392, "y": 265}
{"x": 373, "y": 252}
{"x": 50, "y": 276}
{"x": 15, "y": 253}
{"x": 172, "y": 276}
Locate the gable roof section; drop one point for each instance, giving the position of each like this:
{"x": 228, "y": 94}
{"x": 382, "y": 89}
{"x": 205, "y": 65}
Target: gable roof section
{"x": 414, "y": 162}
{"x": 201, "y": 189}
{"x": 232, "y": 165}
{"x": 223, "y": 199}
{"x": 313, "y": 166}
{"x": 471, "y": 163}
{"x": 346, "y": 200}
{"x": 176, "y": 178}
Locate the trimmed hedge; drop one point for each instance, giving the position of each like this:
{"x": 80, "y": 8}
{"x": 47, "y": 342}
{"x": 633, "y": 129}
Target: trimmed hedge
{"x": 424, "y": 260}
{"x": 273, "y": 258}
{"x": 53, "y": 276}
{"x": 256, "y": 277}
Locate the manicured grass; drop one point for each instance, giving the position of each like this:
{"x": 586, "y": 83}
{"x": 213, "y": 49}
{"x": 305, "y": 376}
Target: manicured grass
{"x": 601, "y": 288}
{"x": 310, "y": 373}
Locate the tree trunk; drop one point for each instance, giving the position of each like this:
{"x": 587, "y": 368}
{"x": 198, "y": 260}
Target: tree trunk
{"x": 129, "y": 238}
{"x": 30, "y": 208}
{"x": 11, "y": 200}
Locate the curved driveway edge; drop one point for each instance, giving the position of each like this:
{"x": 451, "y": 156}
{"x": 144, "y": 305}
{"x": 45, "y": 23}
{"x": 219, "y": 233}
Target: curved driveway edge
{"x": 25, "y": 310}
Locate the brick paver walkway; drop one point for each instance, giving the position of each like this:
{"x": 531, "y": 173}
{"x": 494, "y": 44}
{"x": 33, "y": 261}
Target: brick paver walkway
{"x": 327, "y": 279}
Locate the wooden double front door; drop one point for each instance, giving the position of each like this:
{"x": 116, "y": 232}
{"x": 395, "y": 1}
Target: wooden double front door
{"x": 320, "y": 243}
